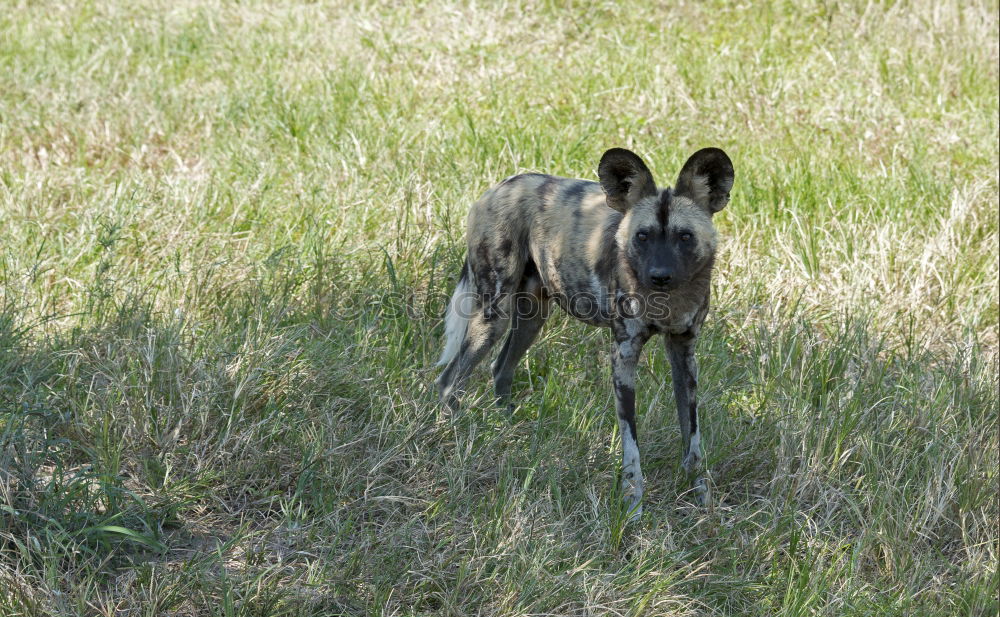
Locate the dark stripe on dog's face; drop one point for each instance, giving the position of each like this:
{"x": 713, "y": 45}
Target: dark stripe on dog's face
{"x": 663, "y": 209}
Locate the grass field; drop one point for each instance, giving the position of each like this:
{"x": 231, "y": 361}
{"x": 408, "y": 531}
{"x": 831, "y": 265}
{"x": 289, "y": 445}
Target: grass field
{"x": 228, "y": 232}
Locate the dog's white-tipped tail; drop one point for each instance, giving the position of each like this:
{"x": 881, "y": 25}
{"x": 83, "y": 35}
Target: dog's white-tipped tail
{"x": 456, "y": 320}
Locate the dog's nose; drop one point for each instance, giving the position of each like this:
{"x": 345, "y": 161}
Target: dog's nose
{"x": 660, "y": 278}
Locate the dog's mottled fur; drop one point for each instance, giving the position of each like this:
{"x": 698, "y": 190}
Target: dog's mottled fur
{"x": 620, "y": 253}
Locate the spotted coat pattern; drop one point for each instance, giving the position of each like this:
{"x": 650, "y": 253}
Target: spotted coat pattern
{"x": 620, "y": 253}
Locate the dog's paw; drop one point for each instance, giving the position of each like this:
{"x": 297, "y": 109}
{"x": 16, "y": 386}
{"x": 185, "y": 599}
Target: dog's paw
{"x": 692, "y": 462}
{"x": 702, "y": 492}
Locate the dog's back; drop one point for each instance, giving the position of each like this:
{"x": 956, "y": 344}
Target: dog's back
{"x": 560, "y": 228}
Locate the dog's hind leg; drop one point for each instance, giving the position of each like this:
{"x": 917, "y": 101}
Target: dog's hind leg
{"x": 481, "y": 334}
{"x": 529, "y": 310}
{"x": 478, "y": 315}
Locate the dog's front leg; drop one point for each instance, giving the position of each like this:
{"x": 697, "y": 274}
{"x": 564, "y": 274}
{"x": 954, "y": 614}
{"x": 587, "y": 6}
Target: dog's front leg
{"x": 623, "y": 362}
{"x": 684, "y": 370}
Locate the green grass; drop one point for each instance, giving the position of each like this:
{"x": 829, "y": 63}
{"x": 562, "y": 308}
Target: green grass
{"x": 228, "y": 231}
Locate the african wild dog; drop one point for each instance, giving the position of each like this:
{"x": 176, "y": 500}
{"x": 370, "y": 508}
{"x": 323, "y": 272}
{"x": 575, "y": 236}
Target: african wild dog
{"x": 621, "y": 253}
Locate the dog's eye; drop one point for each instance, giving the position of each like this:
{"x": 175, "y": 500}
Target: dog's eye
{"x": 686, "y": 237}
{"x": 641, "y": 236}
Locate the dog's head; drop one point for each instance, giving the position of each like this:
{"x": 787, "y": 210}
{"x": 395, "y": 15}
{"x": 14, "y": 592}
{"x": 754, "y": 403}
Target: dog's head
{"x": 667, "y": 235}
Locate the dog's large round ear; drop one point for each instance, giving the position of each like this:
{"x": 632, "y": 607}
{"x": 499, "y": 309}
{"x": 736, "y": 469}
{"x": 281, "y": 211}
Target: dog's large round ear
{"x": 624, "y": 178}
{"x": 707, "y": 178}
